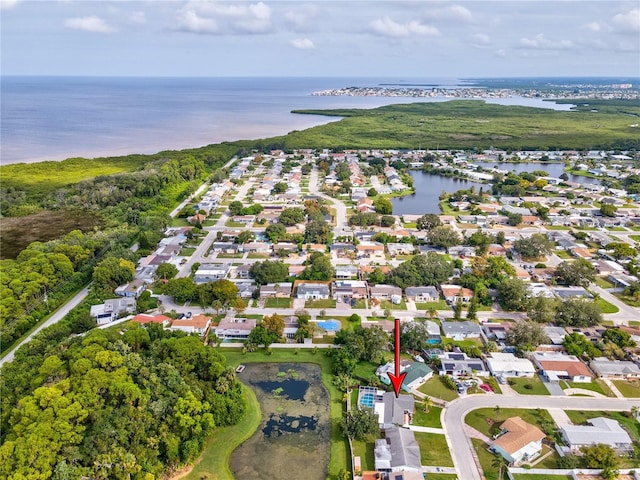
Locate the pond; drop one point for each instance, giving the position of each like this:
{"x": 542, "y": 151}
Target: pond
{"x": 429, "y": 187}
{"x": 294, "y": 435}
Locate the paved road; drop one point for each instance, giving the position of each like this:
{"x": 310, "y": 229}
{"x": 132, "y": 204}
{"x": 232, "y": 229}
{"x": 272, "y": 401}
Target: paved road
{"x": 460, "y": 445}
{"x": 341, "y": 208}
{"x": 626, "y": 312}
{"x": 55, "y": 317}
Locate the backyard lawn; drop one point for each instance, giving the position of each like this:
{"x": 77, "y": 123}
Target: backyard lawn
{"x": 595, "y": 386}
{"x": 528, "y": 386}
{"x": 433, "y": 449}
{"x": 364, "y": 450}
{"x": 628, "y": 388}
{"x": 435, "y": 388}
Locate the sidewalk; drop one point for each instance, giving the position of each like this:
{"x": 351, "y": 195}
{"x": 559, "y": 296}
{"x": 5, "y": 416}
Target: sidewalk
{"x": 613, "y": 388}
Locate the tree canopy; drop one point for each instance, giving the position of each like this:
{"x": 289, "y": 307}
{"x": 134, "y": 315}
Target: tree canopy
{"x": 421, "y": 270}
{"x": 535, "y": 246}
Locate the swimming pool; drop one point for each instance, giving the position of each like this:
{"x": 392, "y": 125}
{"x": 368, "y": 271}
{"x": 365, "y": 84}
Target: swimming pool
{"x": 367, "y": 400}
{"x": 329, "y": 325}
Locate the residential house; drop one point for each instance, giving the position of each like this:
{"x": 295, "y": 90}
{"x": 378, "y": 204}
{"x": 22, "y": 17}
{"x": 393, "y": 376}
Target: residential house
{"x": 565, "y": 293}
{"x": 496, "y": 330}
{"x": 507, "y": 365}
{"x": 345, "y": 272}
{"x": 400, "y": 249}
{"x": 257, "y": 247}
{"x": 555, "y": 334}
{"x": 601, "y": 430}
{"x": 112, "y": 309}
{"x": 519, "y": 441}
{"x": 242, "y": 271}
{"x": 427, "y": 294}
{"x": 231, "y": 328}
{"x": 133, "y": 289}
{"x": 370, "y": 250}
{"x": 458, "y": 364}
{"x": 461, "y": 330}
{"x": 417, "y": 373}
{"x": 398, "y": 451}
{"x": 614, "y": 369}
{"x": 145, "y": 318}
{"x": 556, "y": 366}
{"x": 455, "y": 294}
{"x": 386, "y": 292}
{"x": 434, "y": 332}
{"x": 290, "y": 327}
{"x": 210, "y": 272}
{"x": 394, "y": 411}
{"x": 313, "y": 291}
{"x": 276, "y": 290}
{"x": 197, "y": 324}
{"x": 346, "y": 290}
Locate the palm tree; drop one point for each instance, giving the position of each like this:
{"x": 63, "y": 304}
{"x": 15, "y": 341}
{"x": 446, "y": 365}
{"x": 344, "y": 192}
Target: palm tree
{"x": 432, "y": 312}
{"x": 496, "y": 409}
{"x": 500, "y": 463}
{"x": 428, "y": 403}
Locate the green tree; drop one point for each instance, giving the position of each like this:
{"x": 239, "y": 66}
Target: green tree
{"x": 428, "y": 221}
{"x": 318, "y": 231}
{"x": 535, "y": 246}
{"x": 444, "y": 236}
{"x": 319, "y": 267}
{"x": 292, "y": 216}
{"x": 577, "y": 312}
{"x": 181, "y": 289}
{"x": 225, "y": 291}
{"x": 542, "y": 309}
{"x": 383, "y": 206}
{"x": 235, "y": 208}
{"x": 577, "y": 272}
{"x": 618, "y": 337}
{"x": 269, "y": 272}
{"x": 111, "y": 272}
{"x": 525, "y": 336}
{"x": 276, "y": 232}
{"x": 274, "y": 325}
{"x": 604, "y": 457}
{"x": 165, "y": 271}
{"x": 244, "y": 237}
{"x": 620, "y": 250}
{"x": 359, "y": 424}
{"x": 280, "y": 187}
{"x": 512, "y": 294}
{"x": 608, "y": 210}
{"x": 580, "y": 346}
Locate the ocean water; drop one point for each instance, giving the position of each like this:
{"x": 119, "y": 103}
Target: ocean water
{"x": 53, "y": 118}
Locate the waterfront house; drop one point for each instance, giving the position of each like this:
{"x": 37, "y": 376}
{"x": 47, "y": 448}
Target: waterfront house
{"x": 394, "y": 411}
{"x": 198, "y": 324}
{"x": 398, "y": 451}
{"x": 231, "y": 328}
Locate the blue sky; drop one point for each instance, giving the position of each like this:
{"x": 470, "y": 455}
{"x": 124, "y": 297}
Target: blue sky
{"x": 321, "y": 38}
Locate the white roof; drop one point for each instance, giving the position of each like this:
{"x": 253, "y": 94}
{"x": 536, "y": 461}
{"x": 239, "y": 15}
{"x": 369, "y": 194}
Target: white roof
{"x": 507, "y": 362}
{"x": 601, "y": 430}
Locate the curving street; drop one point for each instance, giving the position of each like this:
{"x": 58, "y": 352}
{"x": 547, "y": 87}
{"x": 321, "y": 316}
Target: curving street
{"x": 460, "y": 445}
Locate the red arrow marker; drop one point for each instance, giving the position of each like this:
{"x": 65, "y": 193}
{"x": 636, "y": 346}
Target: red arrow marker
{"x": 396, "y": 380}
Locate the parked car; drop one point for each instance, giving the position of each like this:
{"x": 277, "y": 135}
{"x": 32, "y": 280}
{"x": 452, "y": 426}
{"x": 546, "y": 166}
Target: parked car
{"x": 486, "y": 387}
{"x": 181, "y": 316}
{"x": 189, "y": 314}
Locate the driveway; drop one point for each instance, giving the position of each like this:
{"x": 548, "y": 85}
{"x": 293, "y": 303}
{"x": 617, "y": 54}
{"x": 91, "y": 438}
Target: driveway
{"x": 454, "y": 414}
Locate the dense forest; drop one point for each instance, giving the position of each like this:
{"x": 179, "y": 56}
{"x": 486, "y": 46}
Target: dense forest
{"x": 133, "y": 404}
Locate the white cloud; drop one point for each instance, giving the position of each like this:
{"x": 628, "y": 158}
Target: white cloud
{"x": 189, "y": 21}
{"x": 540, "y": 42}
{"x": 91, "y": 23}
{"x": 389, "y": 28}
{"x": 138, "y": 18}
{"x": 301, "y": 19}
{"x": 7, "y": 4}
{"x": 218, "y": 18}
{"x": 302, "y": 44}
{"x": 501, "y": 53}
{"x": 452, "y": 12}
{"x": 594, "y": 27}
{"x": 482, "y": 39}
{"x": 629, "y": 20}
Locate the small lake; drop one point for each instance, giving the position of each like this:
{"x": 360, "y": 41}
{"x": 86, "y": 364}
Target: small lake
{"x": 429, "y": 187}
{"x": 293, "y": 439}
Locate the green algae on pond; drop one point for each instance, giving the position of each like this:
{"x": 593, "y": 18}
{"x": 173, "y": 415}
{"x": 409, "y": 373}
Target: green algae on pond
{"x": 294, "y": 434}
